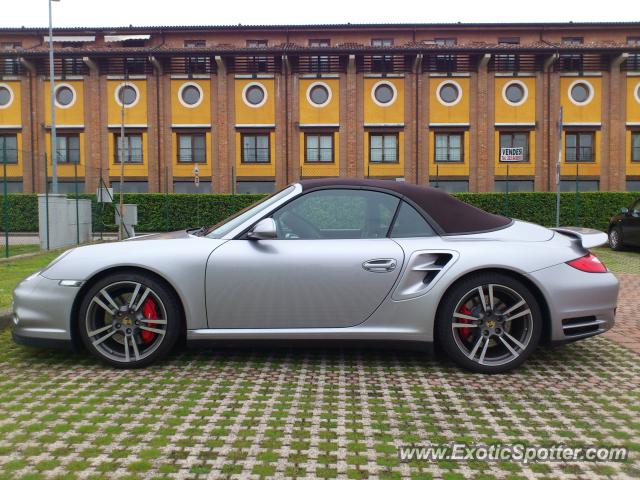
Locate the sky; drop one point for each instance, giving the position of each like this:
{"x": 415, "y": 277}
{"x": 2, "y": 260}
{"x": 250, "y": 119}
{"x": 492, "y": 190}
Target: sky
{"x": 101, "y": 13}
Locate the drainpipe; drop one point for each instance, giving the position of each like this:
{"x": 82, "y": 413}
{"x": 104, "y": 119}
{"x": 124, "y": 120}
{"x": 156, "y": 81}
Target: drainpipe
{"x": 31, "y": 69}
{"x": 158, "y": 72}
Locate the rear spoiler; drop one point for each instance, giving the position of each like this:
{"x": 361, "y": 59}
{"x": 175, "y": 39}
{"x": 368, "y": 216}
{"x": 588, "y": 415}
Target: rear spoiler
{"x": 588, "y": 237}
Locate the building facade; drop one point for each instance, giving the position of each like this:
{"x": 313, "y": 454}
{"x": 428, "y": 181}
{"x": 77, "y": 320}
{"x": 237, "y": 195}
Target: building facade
{"x": 256, "y": 108}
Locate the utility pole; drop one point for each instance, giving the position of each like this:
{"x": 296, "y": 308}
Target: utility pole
{"x": 52, "y": 91}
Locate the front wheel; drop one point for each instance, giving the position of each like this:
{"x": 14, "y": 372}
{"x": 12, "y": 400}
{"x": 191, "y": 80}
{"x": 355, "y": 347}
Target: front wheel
{"x": 489, "y": 323}
{"x": 615, "y": 238}
{"x": 129, "y": 320}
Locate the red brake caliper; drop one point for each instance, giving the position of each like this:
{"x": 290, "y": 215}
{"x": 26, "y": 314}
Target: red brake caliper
{"x": 465, "y": 332}
{"x": 150, "y": 313}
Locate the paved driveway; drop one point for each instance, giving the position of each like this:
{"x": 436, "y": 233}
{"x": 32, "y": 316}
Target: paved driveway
{"x": 313, "y": 414}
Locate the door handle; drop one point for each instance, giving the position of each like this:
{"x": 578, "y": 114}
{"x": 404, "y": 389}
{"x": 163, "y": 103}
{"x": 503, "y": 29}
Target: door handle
{"x": 380, "y": 265}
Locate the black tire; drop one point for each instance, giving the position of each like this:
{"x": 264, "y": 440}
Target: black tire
{"x": 457, "y": 344}
{"x": 164, "y": 300}
{"x": 615, "y": 239}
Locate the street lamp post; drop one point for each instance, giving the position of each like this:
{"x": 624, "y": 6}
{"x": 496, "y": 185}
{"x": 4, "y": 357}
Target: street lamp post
{"x": 52, "y": 89}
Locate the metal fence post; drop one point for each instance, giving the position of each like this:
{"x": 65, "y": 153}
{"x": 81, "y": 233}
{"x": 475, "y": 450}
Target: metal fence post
{"x": 46, "y": 200}
{"x": 75, "y": 173}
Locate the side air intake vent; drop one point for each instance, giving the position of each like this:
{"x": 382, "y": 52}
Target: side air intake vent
{"x": 423, "y": 270}
{"x": 581, "y": 326}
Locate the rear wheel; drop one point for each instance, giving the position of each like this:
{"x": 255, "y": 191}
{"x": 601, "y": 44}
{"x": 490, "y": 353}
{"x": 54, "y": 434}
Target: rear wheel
{"x": 489, "y": 323}
{"x": 129, "y": 320}
{"x": 615, "y": 238}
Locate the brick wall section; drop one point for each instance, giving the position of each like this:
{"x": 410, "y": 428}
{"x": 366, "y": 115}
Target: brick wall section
{"x": 605, "y": 131}
{"x": 617, "y": 127}
{"x": 540, "y": 179}
{"x": 28, "y": 142}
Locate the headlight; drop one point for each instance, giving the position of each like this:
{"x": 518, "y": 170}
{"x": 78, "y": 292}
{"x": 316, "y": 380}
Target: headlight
{"x": 56, "y": 260}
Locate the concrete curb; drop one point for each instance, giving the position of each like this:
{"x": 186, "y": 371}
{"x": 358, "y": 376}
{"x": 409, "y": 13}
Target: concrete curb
{"x": 5, "y": 319}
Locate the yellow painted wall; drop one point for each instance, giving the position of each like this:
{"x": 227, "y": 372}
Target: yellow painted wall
{"x": 65, "y": 169}
{"x": 585, "y": 168}
{"x": 320, "y": 169}
{"x": 12, "y": 114}
{"x": 327, "y": 114}
{"x": 393, "y": 112}
{"x": 633, "y": 105}
{"x": 528, "y": 168}
{"x": 186, "y": 169}
{"x": 74, "y": 115}
{"x": 135, "y": 115}
{"x": 589, "y": 113}
{"x": 458, "y": 113}
{"x": 386, "y": 169}
{"x": 448, "y": 169}
{"x": 15, "y": 169}
{"x": 183, "y": 115}
{"x": 508, "y": 113}
{"x": 632, "y": 168}
{"x": 130, "y": 169}
{"x": 256, "y": 170}
{"x": 263, "y": 115}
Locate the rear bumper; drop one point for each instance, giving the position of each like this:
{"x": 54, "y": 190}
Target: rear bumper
{"x": 580, "y": 304}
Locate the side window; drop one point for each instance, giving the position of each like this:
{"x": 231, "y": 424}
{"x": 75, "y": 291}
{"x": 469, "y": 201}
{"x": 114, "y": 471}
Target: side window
{"x": 339, "y": 213}
{"x": 409, "y": 223}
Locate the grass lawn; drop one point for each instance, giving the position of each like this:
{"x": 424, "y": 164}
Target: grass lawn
{"x": 619, "y": 262}
{"x": 12, "y": 272}
{"x": 19, "y": 249}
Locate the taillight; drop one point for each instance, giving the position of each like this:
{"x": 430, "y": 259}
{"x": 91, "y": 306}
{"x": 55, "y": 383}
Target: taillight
{"x": 589, "y": 263}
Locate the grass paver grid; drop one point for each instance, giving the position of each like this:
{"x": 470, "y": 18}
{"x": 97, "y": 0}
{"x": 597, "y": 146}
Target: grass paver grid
{"x": 317, "y": 414}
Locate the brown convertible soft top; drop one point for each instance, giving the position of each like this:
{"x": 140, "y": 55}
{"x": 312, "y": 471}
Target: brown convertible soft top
{"x": 450, "y": 214}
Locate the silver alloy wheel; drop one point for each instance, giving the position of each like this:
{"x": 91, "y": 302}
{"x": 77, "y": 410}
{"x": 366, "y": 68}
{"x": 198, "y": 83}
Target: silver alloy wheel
{"x": 614, "y": 238}
{"x": 116, "y": 323}
{"x": 492, "y": 324}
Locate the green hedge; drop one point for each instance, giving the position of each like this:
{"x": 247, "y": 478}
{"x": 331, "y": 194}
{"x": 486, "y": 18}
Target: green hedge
{"x": 161, "y": 212}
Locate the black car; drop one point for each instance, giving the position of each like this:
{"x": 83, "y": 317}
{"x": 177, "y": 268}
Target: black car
{"x": 624, "y": 228}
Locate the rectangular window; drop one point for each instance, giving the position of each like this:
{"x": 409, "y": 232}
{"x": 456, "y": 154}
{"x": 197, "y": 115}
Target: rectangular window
{"x": 508, "y": 62}
{"x": 195, "y": 64}
{"x": 132, "y": 148}
{"x": 256, "y": 148}
{"x": 68, "y": 148}
{"x": 382, "y": 63}
{"x": 446, "y": 63}
{"x": 258, "y": 63}
{"x": 192, "y": 148}
{"x": 572, "y": 61}
{"x": 579, "y": 147}
{"x": 449, "y": 147}
{"x": 515, "y": 139}
{"x": 318, "y": 147}
{"x": 320, "y": 63}
{"x": 633, "y": 60}
{"x": 383, "y": 148}
{"x": 195, "y": 43}
{"x": 635, "y": 147}
{"x": 8, "y": 148}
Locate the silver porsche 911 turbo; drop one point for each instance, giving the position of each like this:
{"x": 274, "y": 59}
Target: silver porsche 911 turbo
{"x": 329, "y": 259}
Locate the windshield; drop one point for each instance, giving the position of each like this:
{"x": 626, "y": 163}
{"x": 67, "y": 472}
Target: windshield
{"x": 221, "y": 229}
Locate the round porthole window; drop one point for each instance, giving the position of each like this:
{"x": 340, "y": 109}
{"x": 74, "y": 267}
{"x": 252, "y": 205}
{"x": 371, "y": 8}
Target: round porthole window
{"x": 515, "y": 93}
{"x": 638, "y": 93}
{"x": 127, "y": 95}
{"x": 65, "y": 96}
{"x": 254, "y": 94}
{"x": 190, "y": 95}
{"x": 6, "y": 96}
{"x": 383, "y": 93}
{"x": 580, "y": 92}
{"x": 449, "y": 93}
{"x": 318, "y": 94}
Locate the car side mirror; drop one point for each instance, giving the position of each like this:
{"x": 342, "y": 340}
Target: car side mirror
{"x": 265, "y": 229}
{"x": 624, "y": 210}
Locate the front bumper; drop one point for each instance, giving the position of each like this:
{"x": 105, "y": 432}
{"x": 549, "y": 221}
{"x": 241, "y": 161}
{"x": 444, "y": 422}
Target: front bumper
{"x": 580, "y": 304}
{"x": 42, "y": 311}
